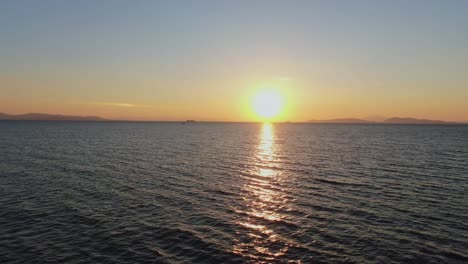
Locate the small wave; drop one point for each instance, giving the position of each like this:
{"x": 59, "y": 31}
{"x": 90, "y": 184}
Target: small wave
{"x": 334, "y": 182}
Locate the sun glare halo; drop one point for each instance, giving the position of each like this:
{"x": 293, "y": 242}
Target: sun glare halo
{"x": 267, "y": 104}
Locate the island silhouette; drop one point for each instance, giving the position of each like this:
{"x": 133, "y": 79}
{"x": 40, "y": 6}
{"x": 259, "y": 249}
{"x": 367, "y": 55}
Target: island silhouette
{"x": 391, "y": 120}
{"x": 50, "y": 117}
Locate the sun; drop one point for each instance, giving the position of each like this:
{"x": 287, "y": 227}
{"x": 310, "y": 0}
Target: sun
{"x": 267, "y": 104}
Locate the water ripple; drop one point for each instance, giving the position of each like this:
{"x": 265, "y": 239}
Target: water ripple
{"x": 117, "y": 192}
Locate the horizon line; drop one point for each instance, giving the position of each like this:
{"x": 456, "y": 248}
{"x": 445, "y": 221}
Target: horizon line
{"x": 347, "y": 120}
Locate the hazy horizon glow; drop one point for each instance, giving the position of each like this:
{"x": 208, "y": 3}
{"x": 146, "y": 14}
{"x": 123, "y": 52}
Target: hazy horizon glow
{"x": 206, "y": 60}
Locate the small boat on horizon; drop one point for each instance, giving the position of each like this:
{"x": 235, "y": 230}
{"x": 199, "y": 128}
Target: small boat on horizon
{"x": 188, "y": 121}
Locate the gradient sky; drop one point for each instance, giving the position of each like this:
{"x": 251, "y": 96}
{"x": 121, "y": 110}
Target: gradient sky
{"x": 173, "y": 60}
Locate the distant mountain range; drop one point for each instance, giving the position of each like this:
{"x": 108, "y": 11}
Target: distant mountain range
{"x": 392, "y": 120}
{"x": 51, "y": 117}
{"x": 408, "y": 120}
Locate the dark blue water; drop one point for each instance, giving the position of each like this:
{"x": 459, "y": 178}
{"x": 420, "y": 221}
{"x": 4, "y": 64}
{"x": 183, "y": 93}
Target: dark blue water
{"x": 129, "y": 192}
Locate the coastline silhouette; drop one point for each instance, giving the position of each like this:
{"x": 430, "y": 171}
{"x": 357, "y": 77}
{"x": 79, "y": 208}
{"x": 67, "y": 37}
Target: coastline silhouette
{"x": 391, "y": 120}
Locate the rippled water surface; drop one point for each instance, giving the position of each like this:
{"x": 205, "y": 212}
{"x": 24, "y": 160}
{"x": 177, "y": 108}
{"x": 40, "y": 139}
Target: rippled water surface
{"x": 118, "y": 192}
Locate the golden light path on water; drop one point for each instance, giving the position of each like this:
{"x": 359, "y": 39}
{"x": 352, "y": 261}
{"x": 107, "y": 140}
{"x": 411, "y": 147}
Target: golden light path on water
{"x": 263, "y": 200}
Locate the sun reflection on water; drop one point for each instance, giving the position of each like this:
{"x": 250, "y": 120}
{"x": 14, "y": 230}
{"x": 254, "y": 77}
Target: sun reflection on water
{"x": 264, "y": 198}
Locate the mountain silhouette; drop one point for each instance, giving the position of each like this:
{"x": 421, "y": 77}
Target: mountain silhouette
{"x": 50, "y": 117}
{"x": 410, "y": 120}
{"x": 392, "y": 120}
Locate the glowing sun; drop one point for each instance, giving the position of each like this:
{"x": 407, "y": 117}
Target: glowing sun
{"x": 267, "y": 104}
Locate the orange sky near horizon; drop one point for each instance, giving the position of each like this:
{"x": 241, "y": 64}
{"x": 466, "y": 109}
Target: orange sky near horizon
{"x": 141, "y": 101}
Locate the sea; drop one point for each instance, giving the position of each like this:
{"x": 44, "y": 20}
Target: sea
{"x": 169, "y": 192}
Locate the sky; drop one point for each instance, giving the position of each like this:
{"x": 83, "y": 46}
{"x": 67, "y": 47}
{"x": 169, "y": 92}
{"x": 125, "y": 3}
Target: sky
{"x": 205, "y": 60}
